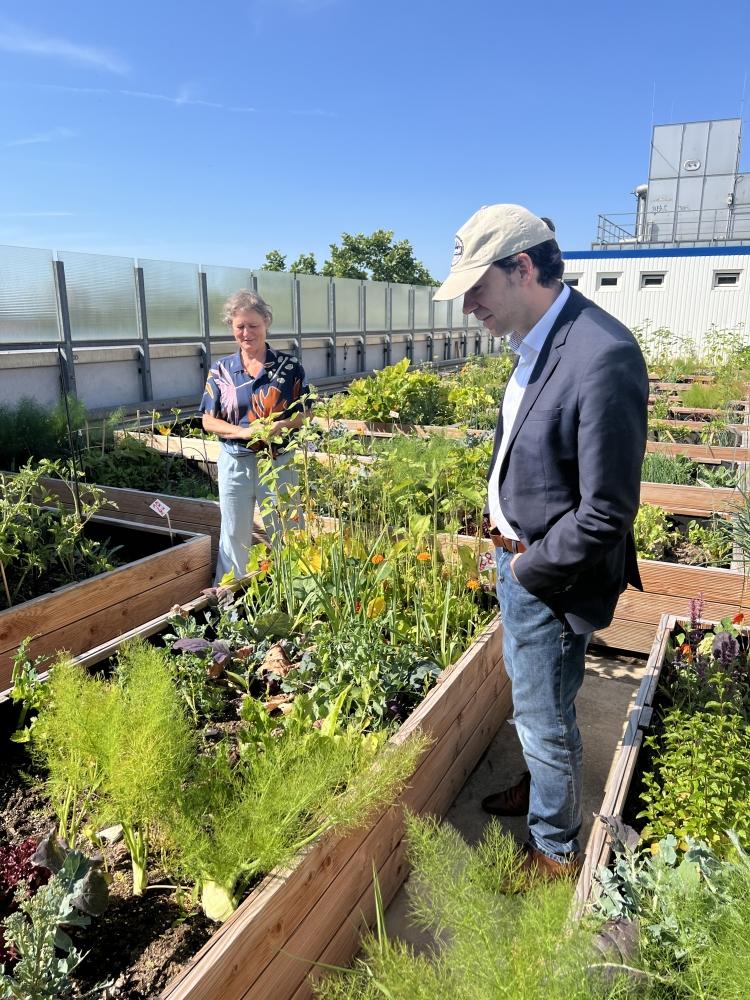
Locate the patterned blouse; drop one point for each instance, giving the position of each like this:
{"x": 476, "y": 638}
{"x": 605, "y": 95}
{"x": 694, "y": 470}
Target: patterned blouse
{"x": 233, "y": 395}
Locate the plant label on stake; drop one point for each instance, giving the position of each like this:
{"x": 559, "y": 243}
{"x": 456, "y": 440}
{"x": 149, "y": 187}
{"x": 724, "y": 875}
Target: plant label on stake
{"x": 163, "y": 511}
{"x": 486, "y": 562}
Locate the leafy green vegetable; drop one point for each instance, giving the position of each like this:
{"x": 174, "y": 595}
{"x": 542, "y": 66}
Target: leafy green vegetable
{"x": 35, "y": 932}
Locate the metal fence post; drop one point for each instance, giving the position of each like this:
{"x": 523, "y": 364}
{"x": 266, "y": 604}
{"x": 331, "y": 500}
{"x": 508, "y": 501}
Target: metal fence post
{"x": 412, "y": 298}
{"x": 64, "y": 314}
{"x": 205, "y": 322}
{"x": 140, "y": 298}
{"x": 297, "y": 316}
{"x": 363, "y": 325}
{"x": 389, "y": 321}
{"x": 332, "y": 310}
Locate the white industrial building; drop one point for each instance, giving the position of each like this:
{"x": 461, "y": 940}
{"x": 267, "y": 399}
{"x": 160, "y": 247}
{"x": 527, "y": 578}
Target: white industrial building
{"x": 680, "y": 261}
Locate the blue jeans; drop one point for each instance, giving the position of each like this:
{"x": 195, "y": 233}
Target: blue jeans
{"x": 545, "y": 661}
{"x": 239, "y": 489}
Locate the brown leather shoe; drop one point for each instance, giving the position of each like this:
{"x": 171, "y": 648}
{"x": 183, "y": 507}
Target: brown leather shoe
{"x": 538, "y": 866}
{"x": 512, "y": 802}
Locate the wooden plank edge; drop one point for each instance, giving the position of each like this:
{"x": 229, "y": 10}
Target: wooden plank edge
{"x": 113, "y": 587}
{"x": 106, "y": 649}
{"x": 618, "y": 784}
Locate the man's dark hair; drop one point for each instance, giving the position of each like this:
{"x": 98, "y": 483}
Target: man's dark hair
{"x": 546, "y": 258}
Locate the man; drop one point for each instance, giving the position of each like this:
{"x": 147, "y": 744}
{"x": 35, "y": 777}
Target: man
{"x": 564, "y": 488}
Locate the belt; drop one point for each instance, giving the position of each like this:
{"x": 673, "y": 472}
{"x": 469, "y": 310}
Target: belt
{"x": 509, "y": 544}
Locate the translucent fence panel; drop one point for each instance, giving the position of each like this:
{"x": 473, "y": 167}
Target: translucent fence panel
{"x": 440, "y": 315}
{"x": 314, "y": 303}
{"x": 101, "y": 296}
{"x": 375, "y": 305}
{"x": 400, "y": 319}
{"x": 276, "y": 288}
{"x": 28, "y": 303}
{"x": 348, "y": 316}
{"x": 221, "y": 282}
{"x": 422, "y": 300}
{"x": 172, "y": 299}
{"x": 458, "y": 320}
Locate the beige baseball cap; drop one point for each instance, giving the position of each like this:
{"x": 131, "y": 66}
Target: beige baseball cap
{"x": 492, "y": 233}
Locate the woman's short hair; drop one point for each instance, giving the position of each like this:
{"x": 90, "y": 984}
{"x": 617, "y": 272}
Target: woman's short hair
{"x": 243, "y": 301}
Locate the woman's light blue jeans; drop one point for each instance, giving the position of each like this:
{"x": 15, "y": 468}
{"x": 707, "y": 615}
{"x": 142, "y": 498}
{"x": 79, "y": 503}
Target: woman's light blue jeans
{"x": 239, "y": 489}
{"x": 545, "y": 661}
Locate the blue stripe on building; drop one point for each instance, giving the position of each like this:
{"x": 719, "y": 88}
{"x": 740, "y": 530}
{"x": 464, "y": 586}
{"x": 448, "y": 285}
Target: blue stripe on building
{"x": 726, "y": 251}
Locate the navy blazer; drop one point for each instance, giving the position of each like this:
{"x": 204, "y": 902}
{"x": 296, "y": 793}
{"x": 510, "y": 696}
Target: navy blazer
{"x": 571, "y": 477}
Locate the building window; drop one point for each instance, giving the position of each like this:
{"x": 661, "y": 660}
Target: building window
{"x": 726, "y": 279}
{"x": 608, "y": 280}
{"x": 572, "y": 279}
{"x": 653, "y": 280}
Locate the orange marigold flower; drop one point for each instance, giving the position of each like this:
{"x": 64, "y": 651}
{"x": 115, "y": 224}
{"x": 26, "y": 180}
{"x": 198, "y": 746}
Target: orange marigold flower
{"x": 377, "y": 559}
{"x": 738, "y": 619}
{"x": 424, "y": 557}
{"x": 472, "y": 584}
{"x": 295, "y": 517}
{"x": 358, "y": 606}
{"x": 265, "y": 565}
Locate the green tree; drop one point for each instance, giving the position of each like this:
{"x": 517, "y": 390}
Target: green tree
{"x": 275, "y": 261}
{"x": 305, "y": 264}
{"x": 376, "y": 257}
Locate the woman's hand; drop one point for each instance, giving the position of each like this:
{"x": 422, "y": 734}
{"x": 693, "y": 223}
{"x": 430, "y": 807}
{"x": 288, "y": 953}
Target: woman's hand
{"x": 256, "y": 431}
{"x": 223, "y": 429}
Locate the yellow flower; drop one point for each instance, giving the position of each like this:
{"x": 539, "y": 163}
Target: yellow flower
{"x": 376, "y": 560}
{"x": 424, "y": 557}
{"x": 375, "y": 607}
{"x": 472, "y": 584}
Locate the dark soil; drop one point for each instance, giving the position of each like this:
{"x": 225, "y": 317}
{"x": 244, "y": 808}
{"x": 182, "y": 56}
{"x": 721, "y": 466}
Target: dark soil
{"x": 140, "y": 943}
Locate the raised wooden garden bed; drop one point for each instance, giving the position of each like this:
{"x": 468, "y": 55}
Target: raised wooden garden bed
{"x": 693, "y": 501}
{"x": 708, "y": 454}
{"x": 163, "y": 571}
{"x": 201, "y": 517}
{"x": 317, "y": 909}
{"x": 599, "y": 847}
{"x": 667, "y": 588}
{"x": 195, "y": 449}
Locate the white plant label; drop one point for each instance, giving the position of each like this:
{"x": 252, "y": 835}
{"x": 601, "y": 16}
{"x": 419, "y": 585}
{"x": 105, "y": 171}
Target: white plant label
{"x": 486, "y": 562}
{"x": 394, "y": 414}
{"x": 161, "y": 508}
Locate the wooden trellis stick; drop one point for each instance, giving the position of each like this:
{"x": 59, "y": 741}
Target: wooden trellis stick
{"x": 5, "y": 582}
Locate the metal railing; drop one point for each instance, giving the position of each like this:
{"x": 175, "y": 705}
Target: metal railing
{"x": 706, "y": 226}
{"x": 152, "y": 314}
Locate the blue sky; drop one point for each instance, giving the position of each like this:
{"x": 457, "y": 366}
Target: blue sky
{"x": 216, "y": 132}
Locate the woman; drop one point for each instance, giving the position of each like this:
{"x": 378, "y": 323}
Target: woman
{"x": 255, "y": 382}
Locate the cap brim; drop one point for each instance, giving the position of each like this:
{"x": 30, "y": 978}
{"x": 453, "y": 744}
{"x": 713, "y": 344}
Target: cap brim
{"x": 459, "y": 282}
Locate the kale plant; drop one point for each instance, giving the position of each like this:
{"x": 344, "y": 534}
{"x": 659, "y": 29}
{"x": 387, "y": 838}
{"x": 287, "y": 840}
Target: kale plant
{"x": 35, "y": 932}
{"x": 690, "y": 909}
